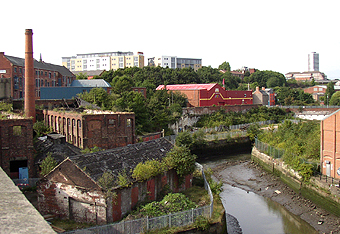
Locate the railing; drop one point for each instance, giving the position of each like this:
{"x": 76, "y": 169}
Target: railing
{"x": 268, "y": 149}
{"x": 144, "y": 224}
{"x": 307, "y": 107}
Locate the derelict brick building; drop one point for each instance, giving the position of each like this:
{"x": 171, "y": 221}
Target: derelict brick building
{"x": 90, "y": 128}
{"x": 16, "y": 146}
{"x": 72, "y": 190}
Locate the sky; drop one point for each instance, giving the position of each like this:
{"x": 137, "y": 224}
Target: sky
{"x": 263, "y": 34}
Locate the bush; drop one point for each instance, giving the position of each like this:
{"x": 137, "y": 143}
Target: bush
{"x": 144, "y": 171}
{"x": 202, "y": 223}
{"x": 47, "y": 164}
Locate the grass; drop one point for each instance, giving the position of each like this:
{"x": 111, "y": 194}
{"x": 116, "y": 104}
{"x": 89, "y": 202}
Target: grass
{"x": 69, "y": 225}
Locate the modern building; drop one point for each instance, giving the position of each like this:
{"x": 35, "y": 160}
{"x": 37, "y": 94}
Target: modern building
{"x": 75, "y": 88}
{"x": 330, "y": 145}
{"x": 45, "y": 74}
{"x": 90, "y": 128}
{"x": 313, "y": 61}
{"x": 264, "y": 96}
{"x": 175, "y": 62}
{"x": 210, "y": 94}
{"x": 103, "y": 61}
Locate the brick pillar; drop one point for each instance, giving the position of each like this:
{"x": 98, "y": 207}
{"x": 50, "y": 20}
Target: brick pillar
{"x": 29, "y": 75}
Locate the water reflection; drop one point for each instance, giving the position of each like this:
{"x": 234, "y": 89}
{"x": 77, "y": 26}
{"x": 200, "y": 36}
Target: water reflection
{"x": 256, "y": 214}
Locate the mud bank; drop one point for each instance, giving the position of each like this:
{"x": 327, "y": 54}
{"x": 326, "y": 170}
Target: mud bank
{"x": 250, "y": 177}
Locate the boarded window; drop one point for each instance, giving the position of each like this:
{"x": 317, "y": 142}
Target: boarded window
{"x": 17, "y": 130}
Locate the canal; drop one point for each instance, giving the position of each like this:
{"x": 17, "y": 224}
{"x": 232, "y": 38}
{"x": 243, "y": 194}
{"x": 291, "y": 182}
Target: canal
{"x": 246, "y": 211}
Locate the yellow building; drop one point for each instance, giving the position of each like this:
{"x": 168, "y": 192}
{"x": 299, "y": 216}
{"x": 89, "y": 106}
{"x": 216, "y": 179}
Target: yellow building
{"x": 103, "y": 61}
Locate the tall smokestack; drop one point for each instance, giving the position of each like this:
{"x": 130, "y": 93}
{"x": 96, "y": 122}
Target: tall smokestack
{"x": 29, "y": 75}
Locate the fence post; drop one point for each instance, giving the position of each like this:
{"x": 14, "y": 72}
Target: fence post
{"x": 147, "y": 222}
{"x": 192, "y": 215}
{"x": 170, "y": 220}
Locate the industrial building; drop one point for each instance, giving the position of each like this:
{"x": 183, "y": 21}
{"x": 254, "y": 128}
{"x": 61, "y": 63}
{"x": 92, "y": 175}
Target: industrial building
{"x": 210, "y": 94}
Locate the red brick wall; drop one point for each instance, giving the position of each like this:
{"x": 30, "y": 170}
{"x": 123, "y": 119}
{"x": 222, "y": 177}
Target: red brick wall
{"x": 106, "y": 131}
{"x": 16, "y": 147}
{"x": 330, "y": 145}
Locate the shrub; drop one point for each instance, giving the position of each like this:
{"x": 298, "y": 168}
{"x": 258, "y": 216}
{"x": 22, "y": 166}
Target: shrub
{"x": 48, "y": 164}
{"x": 144, "y": 171}
{"x": 202, "y": 223}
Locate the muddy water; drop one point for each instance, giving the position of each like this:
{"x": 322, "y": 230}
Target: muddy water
{"x": 248, "y": 212}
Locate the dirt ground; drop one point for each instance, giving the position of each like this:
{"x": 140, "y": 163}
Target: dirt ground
{"x": 250, "y": 177}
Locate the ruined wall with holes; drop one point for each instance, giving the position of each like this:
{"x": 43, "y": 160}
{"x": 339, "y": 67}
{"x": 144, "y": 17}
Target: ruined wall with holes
{"x": 104, "y": 130}
{"x": 16, "y": 142}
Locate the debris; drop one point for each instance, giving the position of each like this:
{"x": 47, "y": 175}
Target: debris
{"x": 267, "y": 188}
{"x": 277, "y": 192}
{"x": 320, "y": 222}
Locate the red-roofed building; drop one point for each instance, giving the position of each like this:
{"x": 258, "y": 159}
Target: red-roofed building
{"x": 210, "y": 94}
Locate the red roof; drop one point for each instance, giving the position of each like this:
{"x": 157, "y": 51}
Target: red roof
{"x": 187, "y": 87}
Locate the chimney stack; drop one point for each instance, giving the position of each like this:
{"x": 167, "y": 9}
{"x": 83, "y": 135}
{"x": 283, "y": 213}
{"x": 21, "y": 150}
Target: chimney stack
{"x": 29, "y": 76}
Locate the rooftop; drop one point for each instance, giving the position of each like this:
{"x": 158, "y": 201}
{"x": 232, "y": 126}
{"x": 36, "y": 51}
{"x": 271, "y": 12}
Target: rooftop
{"x": 187, "y": 87}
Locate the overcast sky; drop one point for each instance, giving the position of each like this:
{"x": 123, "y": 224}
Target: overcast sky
{"x": 267, "y": 35}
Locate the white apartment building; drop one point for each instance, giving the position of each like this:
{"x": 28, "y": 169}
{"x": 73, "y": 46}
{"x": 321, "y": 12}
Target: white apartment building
{"x": 175, "y": 62}
{"x": 313, "y": 61}
{"x": 103, "y": 61}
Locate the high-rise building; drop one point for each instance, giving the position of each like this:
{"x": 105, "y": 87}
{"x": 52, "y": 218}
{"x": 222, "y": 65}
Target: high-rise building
{"x": 175, "y": 62}
{"x": 103, "y": 61}
{"x": 313, "y": 61}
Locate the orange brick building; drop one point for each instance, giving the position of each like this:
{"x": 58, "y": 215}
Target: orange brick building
{"x": 330, "y": 145}
{"x": 103, "y": 129}
{"x": 210, "y": 94}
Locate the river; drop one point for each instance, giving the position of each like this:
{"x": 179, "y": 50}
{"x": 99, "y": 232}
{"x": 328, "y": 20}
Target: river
{"x": 246, "y": 211}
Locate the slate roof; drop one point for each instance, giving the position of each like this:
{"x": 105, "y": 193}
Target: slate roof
{"x": 122, "y": 158}
{"x": 89, "y": 73}
{"x": 187, "y": 87}
{"x": 59, "y": 152}
{"x": 41, "y": 65}
{"x": 90, "y": 83}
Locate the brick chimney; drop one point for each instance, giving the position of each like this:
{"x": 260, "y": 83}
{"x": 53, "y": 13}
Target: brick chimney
{"x": 29, "y": 76}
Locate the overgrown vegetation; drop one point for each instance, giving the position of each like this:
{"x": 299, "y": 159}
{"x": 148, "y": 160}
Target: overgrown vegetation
{"x": 41, "y": 128}
{"x": 47, "y": 164}
{"x": 179, "y": 159}
{"x": 301, "y": 152}
{"x": 94, "y": 149}
{"x": 262, "y": 113}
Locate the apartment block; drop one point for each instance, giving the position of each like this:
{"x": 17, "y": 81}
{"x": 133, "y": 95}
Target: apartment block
{"x": 175, "y": 62}
{"x": 103, "y": 61}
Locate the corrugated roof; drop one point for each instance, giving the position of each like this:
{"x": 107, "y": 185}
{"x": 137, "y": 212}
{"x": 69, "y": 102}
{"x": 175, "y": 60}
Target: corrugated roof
{"x": 41, "y": 65}
{"x": 187, "y": 86}
{"x": 122, "y": 158}
{"x": 90, "y": 83}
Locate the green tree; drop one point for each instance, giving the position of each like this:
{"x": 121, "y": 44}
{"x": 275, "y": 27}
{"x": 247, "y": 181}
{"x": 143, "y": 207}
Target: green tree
{"x": 329, "y": 92}
{"x": 81, "y": 76}
{"x": 41, "y": 129}
{"x": 47, "y": 164}
{"x": 262, "y": 77}
{"x": 224, "y": 66}
{"x": 99, "y": 97}
{"x": 335, "y": 99}
{"x": 180, "y": 159}
{"x": 122, "y": 84}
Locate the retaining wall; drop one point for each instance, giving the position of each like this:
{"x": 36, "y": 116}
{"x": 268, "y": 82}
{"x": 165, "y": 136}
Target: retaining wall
{"x": 319, "y": 193}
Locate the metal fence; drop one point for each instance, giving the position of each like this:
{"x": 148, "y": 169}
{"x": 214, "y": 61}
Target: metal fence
{"x": 268, "y": 149}
{"x": 238, "y": 126}
{"x": 224, "y": 135}
{"x": 144, "y": 224}
{"x": 307, "y": 107}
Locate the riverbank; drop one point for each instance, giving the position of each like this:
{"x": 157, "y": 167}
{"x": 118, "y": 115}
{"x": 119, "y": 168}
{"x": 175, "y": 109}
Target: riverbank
{"x": 250, "y": 177}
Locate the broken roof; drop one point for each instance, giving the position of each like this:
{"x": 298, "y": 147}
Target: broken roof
{"x": 122, "y": 158}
